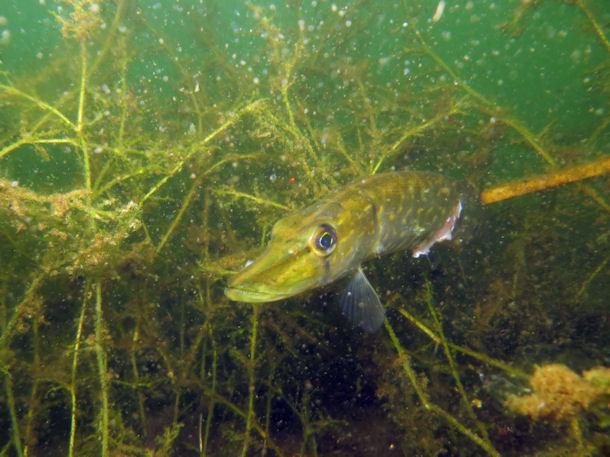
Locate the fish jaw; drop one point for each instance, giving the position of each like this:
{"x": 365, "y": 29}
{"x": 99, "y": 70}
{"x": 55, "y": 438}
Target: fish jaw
{"x": 280, "y": 272}
{"x": 246, "y": 295}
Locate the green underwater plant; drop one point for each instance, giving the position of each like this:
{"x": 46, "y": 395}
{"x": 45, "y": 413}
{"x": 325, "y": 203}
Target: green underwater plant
{"x": 146, "y": 161}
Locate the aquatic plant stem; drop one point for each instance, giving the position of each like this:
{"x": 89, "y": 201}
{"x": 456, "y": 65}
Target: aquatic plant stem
{"x": 287, "y": 103}
{"x": 110, "y": 37}
{"x": 514, "y": 123}
{"x": 477, "y": 355}
{"x": 406, "y": 364}
{"x": 286, "y": 83}
{"x": 592, "y": 276}
{"x": 251, "y": 380}
{"x": 452, "y": 365}
{"x": 195, "y": 148}
{"x": 10, "y": 400}
{"x": 176, "y": 221}
{"x": 417, "y": 130}
{"x": 267, "y": 412}
{"x": 124, "y": 104}
{"x": 72, "y": 388}
{"x": 258, "y": 200}
{"x": 188, "y": 200}
{"x": 81, "y": 92}
{"x": 29, "y": 140}
{"x": 42, "y": 105}
{"x": 81, "y": 114}
{"x": 136, "y": 377}
{"x": 598, "y": 30}
{"x": 595, "y": 196}
{"x": 255, "y": 425}
{"x": 32, "y": 406}
{"x": 308, "y": 434}
{"x": 210, "y": 415}
{"x": 101, "y": 366}
{"x": 292, "y": 126}
{"x": 20, "y": 311}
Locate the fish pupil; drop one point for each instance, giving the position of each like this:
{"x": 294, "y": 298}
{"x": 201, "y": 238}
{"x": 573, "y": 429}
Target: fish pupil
{"x": 325, "y": 240}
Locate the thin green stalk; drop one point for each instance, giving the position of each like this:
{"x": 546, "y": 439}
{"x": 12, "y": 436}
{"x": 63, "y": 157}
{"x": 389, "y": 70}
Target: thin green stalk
{"x": 120, "y": 178}
{"x": 42, "y": 105}
{"x": 181, "y": 329}
{"x": 79, "y": 331}
{"x": 110, "y": 36}
{"x": 136, "y": 376}
{"x": 29, "y": 420}
{"x": 124, "y": 100}
{"x": 514, "y": 123}
{"x": 196, "y": 148}
{"x": 452, "y": 364}
{"x": 83, "y": 83}
{"x": 303, "y": 413}
{"x": 598, "y": 29}
{"x": 176, "y": 408}
{"x": 178, "y": 217}
{"x": 255, "y": 425}
{"x": 308, "y": 434}
{"x": 81, "y": 115}
{"x": 477, "y": 355}
{"x": 10, "y": 400}
{"x": 20, "y": 309}
{"x": 406, "y": 364}
{"x": 29, "y": 140}
{"x": 592, "y": 276}
{"x": 101, "y": 366}
{"x": 3, "y": 308}
{"x": 285, "y": 86}
{"x": 119, "y": 149}
{"x": 343, "y": 150}
{"x": 595, "y": 196}
{"x": 251, "y": 383}
{"x": 267, "y": 413}
{"x": 204, "y": 298}
{"x": 258, "y": 200}
{"x": 210, "y": 416}
{"x": 417, "y": 130}
{"x": 292, "y": 126}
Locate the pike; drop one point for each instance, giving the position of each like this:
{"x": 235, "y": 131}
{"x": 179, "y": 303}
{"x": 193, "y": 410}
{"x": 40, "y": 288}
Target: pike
{"x": 331, "y": 239}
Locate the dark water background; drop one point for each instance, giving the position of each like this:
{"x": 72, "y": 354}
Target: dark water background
{"x": 146, "y": 149}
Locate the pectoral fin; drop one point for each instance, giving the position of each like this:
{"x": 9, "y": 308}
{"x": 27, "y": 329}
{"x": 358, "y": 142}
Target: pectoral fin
{"x": 360, "y": 303}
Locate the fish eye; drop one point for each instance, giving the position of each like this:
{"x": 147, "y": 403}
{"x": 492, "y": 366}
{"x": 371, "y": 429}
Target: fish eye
{"x": 324, "y": 240}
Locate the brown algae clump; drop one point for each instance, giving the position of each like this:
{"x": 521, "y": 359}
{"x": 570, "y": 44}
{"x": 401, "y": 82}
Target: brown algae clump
{"x": 559, "y": 393}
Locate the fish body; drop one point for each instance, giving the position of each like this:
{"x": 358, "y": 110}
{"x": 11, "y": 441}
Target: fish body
{"x": 331, "y": 239}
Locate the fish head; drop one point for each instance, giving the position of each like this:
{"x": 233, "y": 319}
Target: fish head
{"x": 307, "y": 250}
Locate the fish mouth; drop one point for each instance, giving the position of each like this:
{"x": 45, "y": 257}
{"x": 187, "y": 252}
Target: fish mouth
{"x": 247, "y": 295}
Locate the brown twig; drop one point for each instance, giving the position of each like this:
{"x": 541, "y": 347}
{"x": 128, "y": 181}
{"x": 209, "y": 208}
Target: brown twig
{"x": 517, "y": 188}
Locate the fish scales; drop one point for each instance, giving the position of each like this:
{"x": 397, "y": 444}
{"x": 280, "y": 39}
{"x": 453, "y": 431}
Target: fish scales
{"x": 411, "y": 206}
{"x": 333, "y": 237}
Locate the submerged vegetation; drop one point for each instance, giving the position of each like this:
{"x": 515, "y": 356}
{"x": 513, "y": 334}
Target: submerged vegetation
{"x": 147, "y": 159}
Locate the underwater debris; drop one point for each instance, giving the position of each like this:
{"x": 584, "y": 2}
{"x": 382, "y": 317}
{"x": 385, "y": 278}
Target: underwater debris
{"x": 559, "y": 393}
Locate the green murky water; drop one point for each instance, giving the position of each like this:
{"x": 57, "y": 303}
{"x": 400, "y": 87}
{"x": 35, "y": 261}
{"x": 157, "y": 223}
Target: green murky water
{"x": 147, "y": 148}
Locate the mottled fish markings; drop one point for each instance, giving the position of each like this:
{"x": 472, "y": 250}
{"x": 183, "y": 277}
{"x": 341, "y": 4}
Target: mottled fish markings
{"x": 333, "y": 237}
